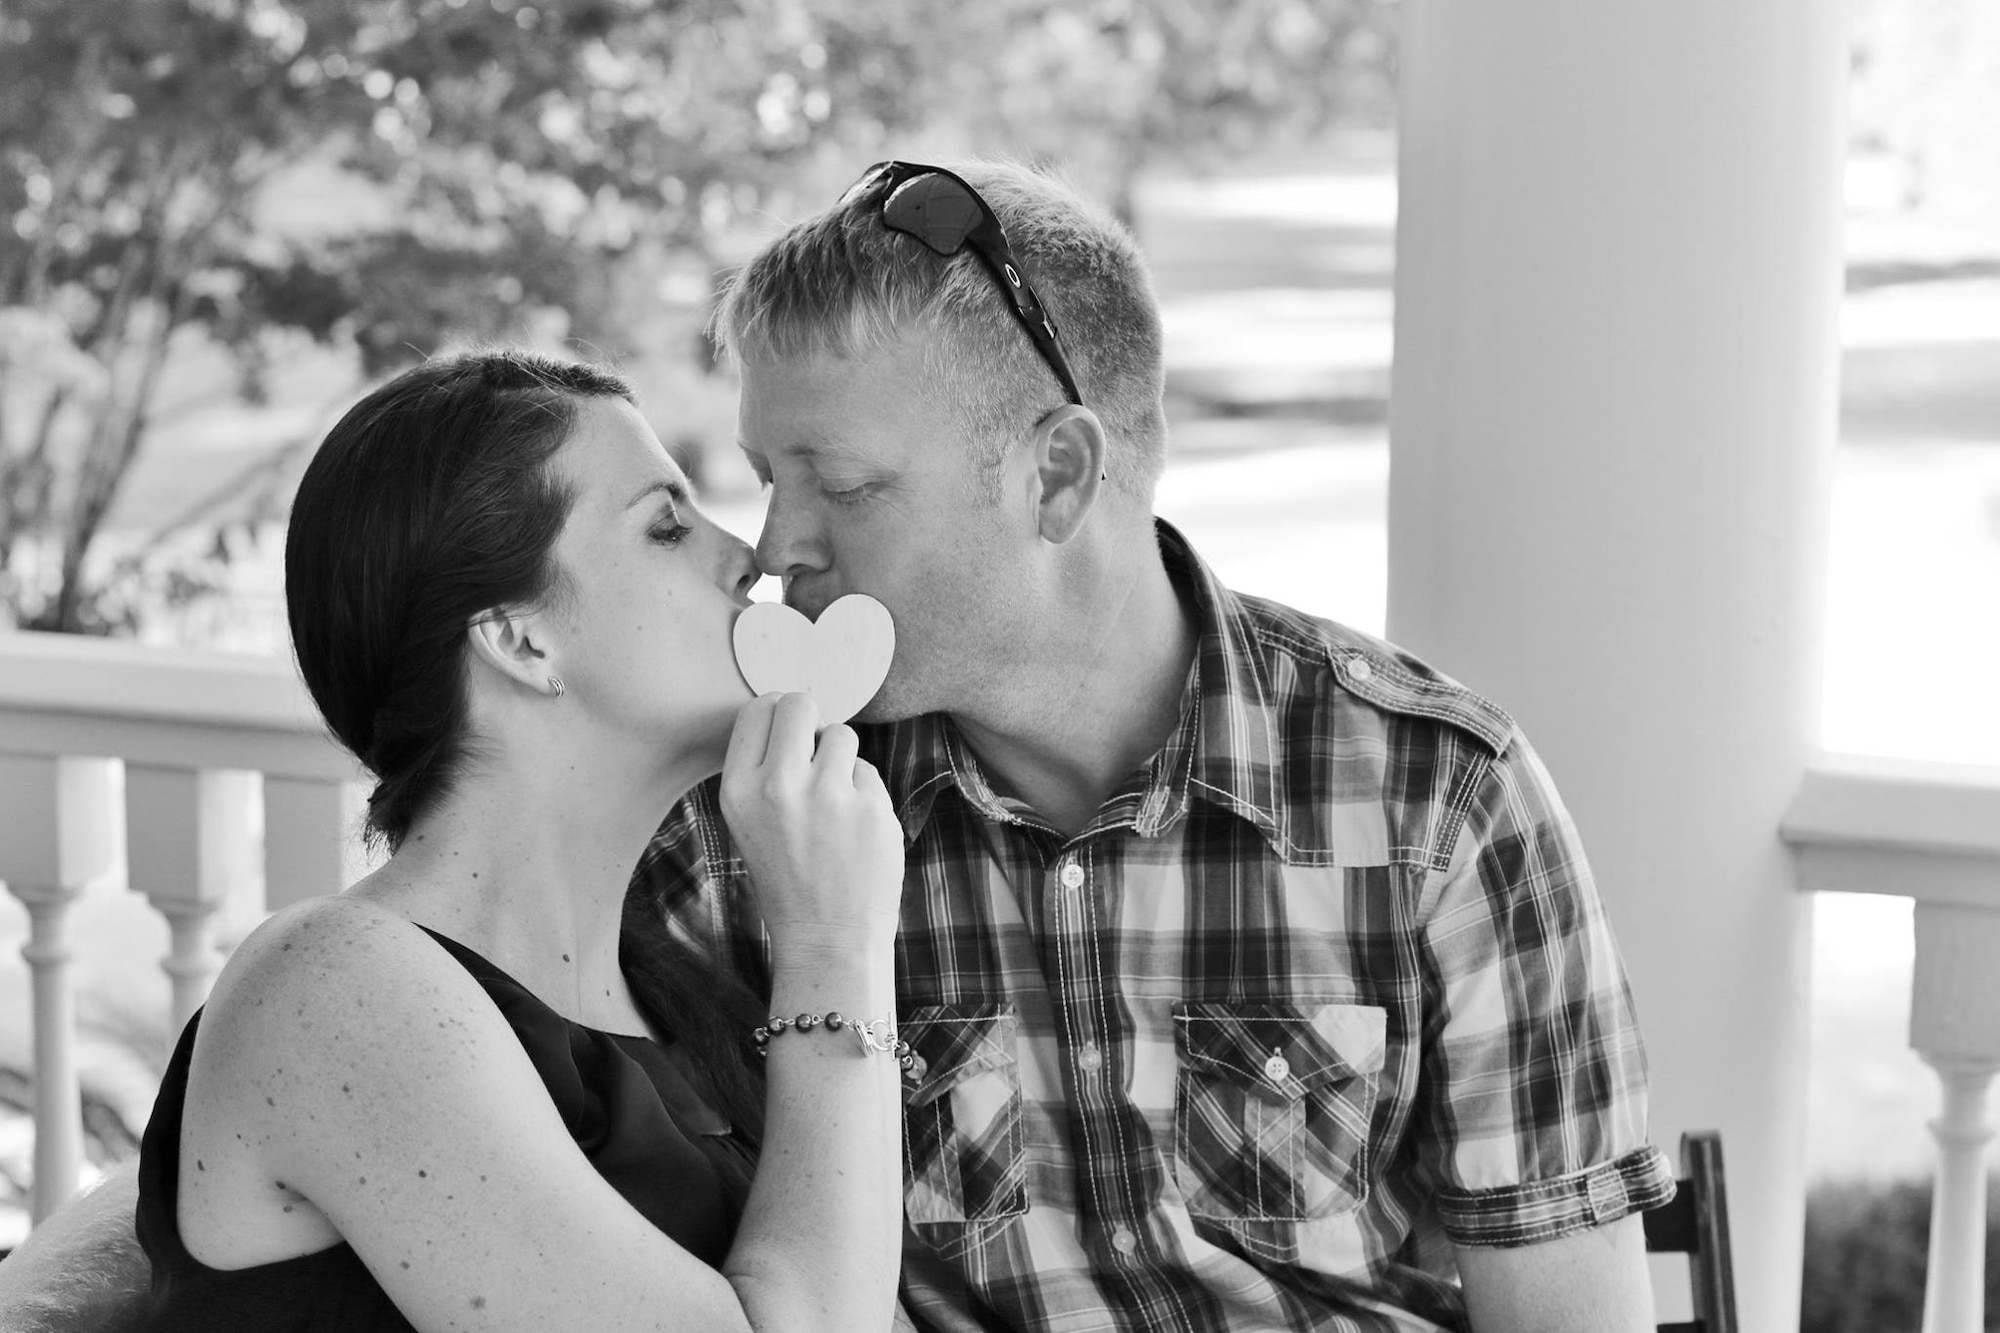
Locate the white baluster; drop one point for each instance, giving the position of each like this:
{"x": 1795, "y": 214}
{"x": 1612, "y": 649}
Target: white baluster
{"x": 58, "y": 838}
{"x": 1955, "y": 1027}
{"x": 193, "y": 843}
{"x": 312, "y": 838}
{"x": 58, "y": 1090}
{"x": 1955, "y": 1281}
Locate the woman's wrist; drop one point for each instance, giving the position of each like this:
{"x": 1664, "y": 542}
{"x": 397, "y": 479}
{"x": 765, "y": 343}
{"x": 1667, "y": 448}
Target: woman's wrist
{"x": 831, "y": 963}
{"x": 828, "y": 953}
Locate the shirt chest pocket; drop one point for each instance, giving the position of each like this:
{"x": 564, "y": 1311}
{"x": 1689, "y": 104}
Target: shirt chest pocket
{"x": 965, "y": 1173}
{"x": 1272, "y": 1105}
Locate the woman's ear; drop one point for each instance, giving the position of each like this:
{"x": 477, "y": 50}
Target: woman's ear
{"x": 514, "y": 643}
{"x": 1069, "y": 469}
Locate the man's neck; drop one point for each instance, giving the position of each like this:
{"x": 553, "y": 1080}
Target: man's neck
{"x": 1108, "y": 700}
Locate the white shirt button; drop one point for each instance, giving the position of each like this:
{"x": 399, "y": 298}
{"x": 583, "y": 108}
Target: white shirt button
{"x": 1072, "y": 875}
{"x": 1277, "y": 1068}
{"x": 1123, "y": 1241}
{"x": 1090, "y": 1057}
{"x": 1357, "y": 667}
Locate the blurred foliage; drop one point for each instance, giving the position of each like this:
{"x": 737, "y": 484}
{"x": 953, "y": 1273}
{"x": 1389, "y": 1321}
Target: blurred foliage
{"x": 1925, "y": 95}
{"x": 1865, "y": 1256}
{"x": 1123, "y": 85}
{"x": 107, "y": 1137}
{"x": 123, "y": 1046}
{"x": 575, "y": 169}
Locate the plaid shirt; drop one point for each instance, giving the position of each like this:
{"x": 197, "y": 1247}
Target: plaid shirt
{"x": 1323, "y": 988}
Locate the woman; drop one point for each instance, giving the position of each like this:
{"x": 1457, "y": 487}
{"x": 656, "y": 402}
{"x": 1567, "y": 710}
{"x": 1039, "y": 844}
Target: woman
{"x": 437, "y": 1100}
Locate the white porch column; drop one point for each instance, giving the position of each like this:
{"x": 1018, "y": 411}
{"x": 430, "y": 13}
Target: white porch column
{"x": 1615, "y": 373}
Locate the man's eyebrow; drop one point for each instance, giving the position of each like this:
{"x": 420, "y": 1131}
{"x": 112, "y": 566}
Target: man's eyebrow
{"x": 678, "y": 492}
{"x": 809, "y": 448}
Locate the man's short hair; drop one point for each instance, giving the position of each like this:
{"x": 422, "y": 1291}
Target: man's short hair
{"x": 843, "y": 284}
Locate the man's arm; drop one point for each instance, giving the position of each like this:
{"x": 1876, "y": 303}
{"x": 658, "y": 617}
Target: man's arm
{"x": 1535, "y": 1072}
{"x": 1592, "y": 1281}
{"x": 81, "y": 1270}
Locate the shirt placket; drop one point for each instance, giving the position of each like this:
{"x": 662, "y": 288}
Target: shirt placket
{"x": 1089, "y": 1023}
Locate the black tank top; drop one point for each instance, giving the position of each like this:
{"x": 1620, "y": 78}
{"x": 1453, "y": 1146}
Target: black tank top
{"x": 630, "y": 1103}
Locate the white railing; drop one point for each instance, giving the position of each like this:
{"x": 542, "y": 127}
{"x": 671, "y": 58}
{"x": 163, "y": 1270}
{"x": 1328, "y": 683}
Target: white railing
{"x": 209, "y": 776}
{"x": 197, "y": 777}
{"x": 1929, "y": 832}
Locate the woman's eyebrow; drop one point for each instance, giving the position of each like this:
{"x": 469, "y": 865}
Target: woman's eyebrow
{"x": 679, "y": 492}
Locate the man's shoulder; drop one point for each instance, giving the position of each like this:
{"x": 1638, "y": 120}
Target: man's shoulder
{"x": 1310, "y": 655}
{"x": 1352, "y": 748}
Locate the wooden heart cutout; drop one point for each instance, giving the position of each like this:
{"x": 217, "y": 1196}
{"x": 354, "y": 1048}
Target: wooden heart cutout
{"x": 841, "y": 659}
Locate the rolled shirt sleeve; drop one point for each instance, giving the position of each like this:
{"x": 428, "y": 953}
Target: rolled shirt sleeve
{"x": 1534, "y": 1086}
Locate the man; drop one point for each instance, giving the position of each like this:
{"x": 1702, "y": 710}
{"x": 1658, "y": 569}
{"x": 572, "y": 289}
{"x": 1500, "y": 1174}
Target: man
{"x": 1256, "y": 974}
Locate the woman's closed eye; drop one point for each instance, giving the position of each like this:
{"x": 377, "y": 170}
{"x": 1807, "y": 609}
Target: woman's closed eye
{"x": 669, "y": 532}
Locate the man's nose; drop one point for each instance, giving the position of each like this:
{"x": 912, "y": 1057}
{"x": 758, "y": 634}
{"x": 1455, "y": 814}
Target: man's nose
{"x": 788, "y": 544}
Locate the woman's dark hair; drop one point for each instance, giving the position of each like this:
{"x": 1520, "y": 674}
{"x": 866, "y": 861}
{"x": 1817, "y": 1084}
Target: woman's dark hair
{"x": 428, "y": 504}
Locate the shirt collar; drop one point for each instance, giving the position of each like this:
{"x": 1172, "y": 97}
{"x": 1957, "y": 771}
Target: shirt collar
{"x": 1225, "y": 748}
{"x": 1222, "y": 749}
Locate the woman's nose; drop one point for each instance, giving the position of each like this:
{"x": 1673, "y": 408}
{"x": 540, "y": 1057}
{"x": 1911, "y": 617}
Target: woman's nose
{"x": 740, "y": 572}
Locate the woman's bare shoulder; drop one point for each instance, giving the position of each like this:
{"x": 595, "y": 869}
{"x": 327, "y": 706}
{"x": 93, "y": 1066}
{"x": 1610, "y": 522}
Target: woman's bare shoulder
{"x": 336, "y": 1029}
{"x": 375, "y": 1081}
{"x": 336, "y": 986}
{"x": 324, "y": 948}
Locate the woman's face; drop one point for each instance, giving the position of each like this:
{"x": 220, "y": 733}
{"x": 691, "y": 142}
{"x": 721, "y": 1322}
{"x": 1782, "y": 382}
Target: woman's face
{"x": 652, "y": 592}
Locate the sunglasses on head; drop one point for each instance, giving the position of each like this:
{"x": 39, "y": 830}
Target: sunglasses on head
{"x": 948, "y": 215}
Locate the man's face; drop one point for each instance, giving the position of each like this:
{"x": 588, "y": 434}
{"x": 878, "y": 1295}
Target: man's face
{"x": 874, "y": 491}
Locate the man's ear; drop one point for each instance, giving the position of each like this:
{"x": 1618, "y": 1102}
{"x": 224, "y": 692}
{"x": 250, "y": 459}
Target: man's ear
{"x": 1069, "y": 467}
{"x": 514, "y": 643}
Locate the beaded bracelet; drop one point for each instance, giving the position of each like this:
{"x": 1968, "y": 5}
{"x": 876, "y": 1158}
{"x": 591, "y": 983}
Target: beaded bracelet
{"x": 878, "y": 1036}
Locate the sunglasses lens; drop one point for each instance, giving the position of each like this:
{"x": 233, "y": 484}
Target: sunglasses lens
{"x": 936, "y": 210}
{"x": 870, "y": 178}
{"x": 944, "y": 213}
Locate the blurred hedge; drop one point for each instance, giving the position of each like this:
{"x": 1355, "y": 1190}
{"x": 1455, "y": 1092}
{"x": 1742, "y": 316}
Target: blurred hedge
{"x": 1865, "y": 1255}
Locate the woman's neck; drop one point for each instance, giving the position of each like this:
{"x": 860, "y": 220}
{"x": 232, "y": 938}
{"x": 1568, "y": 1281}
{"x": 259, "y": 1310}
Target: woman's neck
{"x": 529, "y": 867}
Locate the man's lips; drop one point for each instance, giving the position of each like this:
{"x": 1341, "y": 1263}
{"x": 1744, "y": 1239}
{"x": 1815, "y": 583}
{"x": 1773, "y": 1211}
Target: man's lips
{"x": 806, "y": 604}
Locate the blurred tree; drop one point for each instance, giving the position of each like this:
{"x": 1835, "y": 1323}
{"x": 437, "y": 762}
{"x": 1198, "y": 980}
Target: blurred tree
{"x": 1119, "y": 86}
{"x": 1925, "y": 93}
{"x": 1865, "y": 1255}
{"x": 473, "y": 170}
{"x": 390, "y": 175}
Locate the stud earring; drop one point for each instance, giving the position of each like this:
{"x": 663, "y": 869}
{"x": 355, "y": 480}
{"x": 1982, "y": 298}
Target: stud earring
{"x": 555, "y": 683}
